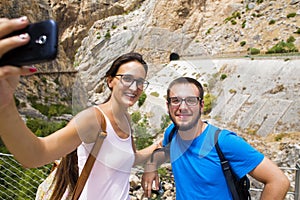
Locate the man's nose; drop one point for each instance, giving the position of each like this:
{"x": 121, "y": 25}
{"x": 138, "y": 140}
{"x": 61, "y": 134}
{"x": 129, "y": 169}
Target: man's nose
{"x": 183, "y": 104}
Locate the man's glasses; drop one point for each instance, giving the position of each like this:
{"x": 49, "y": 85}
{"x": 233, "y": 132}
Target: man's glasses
{"x": 190, "y": 101}
{"x": 127, "y": 80}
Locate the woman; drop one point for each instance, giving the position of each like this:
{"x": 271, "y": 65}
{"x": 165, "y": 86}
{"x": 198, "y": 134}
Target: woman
{"x": 109, "y": 178}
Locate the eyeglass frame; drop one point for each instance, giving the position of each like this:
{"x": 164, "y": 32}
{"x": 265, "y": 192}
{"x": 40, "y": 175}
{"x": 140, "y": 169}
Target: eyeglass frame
{"x": 140, "y": 81}
{"x": 199, "y": 99}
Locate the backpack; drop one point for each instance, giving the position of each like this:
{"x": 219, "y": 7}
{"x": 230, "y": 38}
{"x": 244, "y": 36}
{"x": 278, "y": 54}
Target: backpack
{"x": 239, "y": 188}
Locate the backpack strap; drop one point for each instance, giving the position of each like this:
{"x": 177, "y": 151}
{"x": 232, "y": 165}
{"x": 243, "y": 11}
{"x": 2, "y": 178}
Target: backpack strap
{"x": 165, "y": 149}
{"x": 173, "y": 131}
{"x": 90, "y": 161}
{"x": 226, "y": 168}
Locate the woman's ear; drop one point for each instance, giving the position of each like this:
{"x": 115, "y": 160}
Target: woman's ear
{"x": 109, "y": 81}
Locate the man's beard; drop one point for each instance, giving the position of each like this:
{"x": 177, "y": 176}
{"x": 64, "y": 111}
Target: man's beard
{"x": 189, "y": 126}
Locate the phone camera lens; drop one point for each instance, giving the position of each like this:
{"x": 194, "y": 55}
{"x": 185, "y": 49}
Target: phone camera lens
{"x": 41, "y": 40}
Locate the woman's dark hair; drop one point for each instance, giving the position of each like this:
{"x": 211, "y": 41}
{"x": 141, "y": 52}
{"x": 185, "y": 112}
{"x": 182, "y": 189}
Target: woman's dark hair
{"x": 125, "y": 58}
{"x": 67, "y": 171}
{"x": 186, "y": 80}
{"x": 66, "y": 175}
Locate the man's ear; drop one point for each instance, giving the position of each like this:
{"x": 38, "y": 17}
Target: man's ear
{"x": 201, "y": 105}
{"x": 167, "y": 104}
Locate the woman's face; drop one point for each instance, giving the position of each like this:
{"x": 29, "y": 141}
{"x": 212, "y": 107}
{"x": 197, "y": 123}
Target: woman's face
{"x": 127, "y": 84}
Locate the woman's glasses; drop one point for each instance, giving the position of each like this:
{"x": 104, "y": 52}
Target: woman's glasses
{"x": 177, "y": 101}
{"x": 127, "y": 80}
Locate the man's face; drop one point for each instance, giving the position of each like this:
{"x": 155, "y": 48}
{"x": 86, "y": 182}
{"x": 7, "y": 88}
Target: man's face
{"x": 184, "y": 105}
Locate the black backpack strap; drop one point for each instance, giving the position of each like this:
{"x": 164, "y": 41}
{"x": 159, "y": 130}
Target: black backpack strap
{"x": 165, "y": 149}
{"x": 174, "y": 129}
{"x": 226, "y": 168}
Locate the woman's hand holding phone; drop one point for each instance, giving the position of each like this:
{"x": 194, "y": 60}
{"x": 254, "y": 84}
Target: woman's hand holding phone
{"x": 7, "y": 26}
{"x": 9, "y": 75}
{"x": 42, "y": 46}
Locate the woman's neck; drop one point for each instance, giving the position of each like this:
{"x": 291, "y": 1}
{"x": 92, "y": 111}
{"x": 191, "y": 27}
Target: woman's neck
{"x": 119, "y": 119}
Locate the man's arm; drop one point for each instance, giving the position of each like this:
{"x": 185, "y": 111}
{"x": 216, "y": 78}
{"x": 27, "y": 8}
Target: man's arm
{"x": 150, "y": 170}
{"x": 276, "y": 183}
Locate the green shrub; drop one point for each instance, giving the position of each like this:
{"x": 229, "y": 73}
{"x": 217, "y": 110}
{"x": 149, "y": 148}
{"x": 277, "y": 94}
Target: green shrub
{"x": 234, "y": 15}
{"x": 142, "y": 99}
{"x": 279, "y": 137}
{"x": 291, "y": 39}
{"x": 44, "y": 79}
{"x": 208, "y": 103}
{"x": 142, "y": 137}
{"x": 283, "y": 47}
{"x": 52, "y": 110}
{"x": 298, "y": 31}
{"x": 254, "y": 51}
{"x": 165, "y": 121}
{"x": 136, "y": 117}
{"x": 290, "y": 15}
{"x": 107, "y": 35}
{"x": 17, "y": 101}
{"x": 232, "y": 91}
{"x": 244, "y": 24}
{"x": 223, "y": 76}
{"x": 22, "y": 105}
{"x": 155, "y": 94}
{"x": 233, "y": 22}
{"x": 42, "y": 127}
{"x": 242, "y": 43}
{"x": 272, "y": 21}
{"x": 208, "y": 31}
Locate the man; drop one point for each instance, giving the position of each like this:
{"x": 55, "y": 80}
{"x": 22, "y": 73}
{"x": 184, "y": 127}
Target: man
{"x": 195, "y": 163}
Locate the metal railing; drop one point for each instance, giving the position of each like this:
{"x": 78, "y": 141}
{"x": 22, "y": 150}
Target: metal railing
{"x": 17, "y": 182}
{"x": 297, "y": 181}
{"x": 295, "y": 190}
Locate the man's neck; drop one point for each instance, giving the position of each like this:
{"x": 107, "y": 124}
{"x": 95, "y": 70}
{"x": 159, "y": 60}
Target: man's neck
{"x": 193, "y": 132}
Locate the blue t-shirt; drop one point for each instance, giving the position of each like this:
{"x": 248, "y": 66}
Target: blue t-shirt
{"x": 196, "y": 165}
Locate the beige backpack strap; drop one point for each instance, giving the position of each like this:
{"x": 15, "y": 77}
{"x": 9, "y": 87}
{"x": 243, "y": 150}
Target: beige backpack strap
{"x": 132, "y": 143}
{"x": 90, "y": 161}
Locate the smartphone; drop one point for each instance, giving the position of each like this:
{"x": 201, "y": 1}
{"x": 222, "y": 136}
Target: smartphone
{"x": 42, "y": 46}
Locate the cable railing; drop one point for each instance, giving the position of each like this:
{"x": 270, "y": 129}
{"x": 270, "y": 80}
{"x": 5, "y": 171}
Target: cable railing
{"x": 17, "y": 182}
{"x": 294, "y": 192}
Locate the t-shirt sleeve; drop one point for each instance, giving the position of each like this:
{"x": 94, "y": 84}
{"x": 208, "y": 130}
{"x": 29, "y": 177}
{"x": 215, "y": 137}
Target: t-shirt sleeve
{"x": 242, "y": 157}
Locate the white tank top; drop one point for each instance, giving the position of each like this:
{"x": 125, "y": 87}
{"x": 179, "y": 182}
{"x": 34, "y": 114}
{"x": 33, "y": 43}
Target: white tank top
{"x": 109, "y": 178}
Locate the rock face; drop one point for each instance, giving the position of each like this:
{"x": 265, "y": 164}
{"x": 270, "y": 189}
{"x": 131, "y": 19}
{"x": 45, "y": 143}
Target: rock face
{"x": 188, "y": 27}
{"x": 245, "y": 97}
{"x": 94, "y": 33}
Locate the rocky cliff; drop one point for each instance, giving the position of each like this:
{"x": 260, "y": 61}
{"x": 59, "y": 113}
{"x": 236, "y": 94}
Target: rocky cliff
{"x": 93, "y": 33}
{"x": 188, "y": 27}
